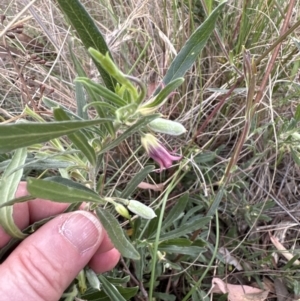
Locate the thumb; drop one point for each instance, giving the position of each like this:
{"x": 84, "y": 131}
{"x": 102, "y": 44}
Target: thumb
{"x": 46, "y": 262}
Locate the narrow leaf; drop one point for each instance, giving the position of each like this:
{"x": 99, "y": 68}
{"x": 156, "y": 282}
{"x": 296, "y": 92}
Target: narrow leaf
{"x": 51, "y": 104}
{"x": 186, "y": 228}
{"x": 191, "y": 251}
{"x": 102, "y": 91}
{"x": 92, "y": 96}
{"x": 177, "y": 209}
{"x": 80, "y": 101}
{"x": 135, "y": 181}
{"x": 39, "y": 164}
{"x": 78, "y": 138}
{"x": 136, "y": 127}
{"x": 13, "y": 136}
{"x": 192, "y": 48}
{"x": 110, "y": 289}
{"x": 65, "y": 192}
{"x": 215, "y": 205}
{"x": 8, "y": 187}
{"x": 79, "y": 91}
{"x": 165, "y": 92}
{"x": 88, "y": 33}
{"x": 116, "y": 234}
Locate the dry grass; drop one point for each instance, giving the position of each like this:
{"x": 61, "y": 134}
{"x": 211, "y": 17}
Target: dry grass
{"x": 144, "y": 37}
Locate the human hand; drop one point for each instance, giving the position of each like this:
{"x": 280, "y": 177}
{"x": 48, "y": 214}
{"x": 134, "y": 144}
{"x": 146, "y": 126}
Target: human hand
{"x": 46, "y": 262}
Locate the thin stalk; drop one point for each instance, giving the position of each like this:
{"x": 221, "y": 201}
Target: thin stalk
{"x": 173, "y": 184}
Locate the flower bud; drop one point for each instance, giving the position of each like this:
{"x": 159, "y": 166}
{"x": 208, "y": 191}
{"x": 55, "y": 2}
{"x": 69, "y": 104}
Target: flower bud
{"x": 93, "y": 279}
{"x": 141, "y": 210}
{"x": 122, "y": 211}
{"x": 166, "y": 126}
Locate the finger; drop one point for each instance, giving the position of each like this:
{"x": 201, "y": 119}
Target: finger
{"x": 27, "y": 213}
{"x": 45, "y": 263}
{"x": 106, "y": 245}
{"x": 103, "y": 262}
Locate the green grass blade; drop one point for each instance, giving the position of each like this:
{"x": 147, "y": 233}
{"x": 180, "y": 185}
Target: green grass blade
{"x": 190, "y": 51}
{"x": 13, "y": 136}
{"x": 88, "y": 33}
{"x": 116, "y": 234}
{"x": 8, "y": 187}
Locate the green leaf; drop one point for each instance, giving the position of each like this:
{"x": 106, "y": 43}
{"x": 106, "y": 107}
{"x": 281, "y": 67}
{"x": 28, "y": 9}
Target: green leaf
{"x": 88, "y": 33}
{"x": 186, "y": 228}
{"x": 135, "y": 181}
{"x": 110, "y": 289}
{"x": 80, "y": 101}
{"x": 13, "y": 136}
{"x": 118, "y": 281}
{"x": 51, "y": 104}
{"x": 39, "y": 164}
{"x": 79, "y": 91}
{"x": 116, "y": 234}
{"x": 164, "y": 296}
{"x": 78, "y": 138}
{"x": 8, "y": 186}
{"x": 192, "y": 48}
{"x": 111, "y": 68}
{"x": 102, "y": 91}
{"x": 136, "y": 127}
{"x": 295, "y": 156}
{"x": 127, "y": 292}
{"x": 66, "y": 191}
{"x": 164, "y": 93}
{"x": 215, "y": 205}
{"x": 176, "y": 210}
{"x": 185, "y": 250}
{"x": 297, "y": 113}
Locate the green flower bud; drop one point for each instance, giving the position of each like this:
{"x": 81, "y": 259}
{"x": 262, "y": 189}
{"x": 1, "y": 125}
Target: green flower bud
{"x": 166, "y": 126}
{"x": 93, "y": 279}
{"x": 141, "y": 210}
{"x": 122, "y": 211}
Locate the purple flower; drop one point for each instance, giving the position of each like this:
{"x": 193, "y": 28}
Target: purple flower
{"x": 157, "y": 152}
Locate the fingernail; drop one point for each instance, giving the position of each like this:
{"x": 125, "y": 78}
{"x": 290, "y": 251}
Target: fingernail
{"x": 82, "y": 230}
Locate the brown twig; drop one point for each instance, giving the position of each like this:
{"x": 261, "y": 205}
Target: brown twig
{"x": 138, "y": 283}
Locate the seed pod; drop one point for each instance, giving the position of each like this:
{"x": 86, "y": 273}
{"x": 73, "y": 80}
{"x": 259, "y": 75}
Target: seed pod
{"x": 166, "y": 126}
{"x": 141, "y": 209}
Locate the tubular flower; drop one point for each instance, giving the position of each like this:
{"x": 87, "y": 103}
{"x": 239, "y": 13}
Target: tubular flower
{"x": 157, "y": 152}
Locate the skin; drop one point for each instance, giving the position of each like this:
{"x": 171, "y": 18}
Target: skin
{"x": 46, "y": 262}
